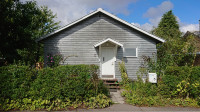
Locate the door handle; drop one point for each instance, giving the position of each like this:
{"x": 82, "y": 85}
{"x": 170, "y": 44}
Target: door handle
{"x": 103, "y": 58}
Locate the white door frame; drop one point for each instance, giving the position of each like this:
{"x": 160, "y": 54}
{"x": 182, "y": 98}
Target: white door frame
{"x": 101, "y": 61}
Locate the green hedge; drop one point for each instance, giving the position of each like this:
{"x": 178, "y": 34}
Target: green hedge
{"x": 182, "y": 73}
{"x": 15, "y": 81}
{"x": 175, "y": 76}
{"x": 179, "y": 86}
{"x": 74, "y": 82}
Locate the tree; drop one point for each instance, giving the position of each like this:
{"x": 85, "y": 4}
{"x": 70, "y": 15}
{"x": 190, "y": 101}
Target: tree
{"x": 176, "y": 51}
{"x": 168, "y": 28}
{"x": 20, "y": 25}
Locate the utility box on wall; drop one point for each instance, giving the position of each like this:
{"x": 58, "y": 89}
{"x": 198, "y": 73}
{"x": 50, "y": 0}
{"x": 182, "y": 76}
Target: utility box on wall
{"x": 152, "y": 77}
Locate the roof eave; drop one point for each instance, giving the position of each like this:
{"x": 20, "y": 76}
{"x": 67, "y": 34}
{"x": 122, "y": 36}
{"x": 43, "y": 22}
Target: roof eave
{"x": 71, "y": 24}
{"x": 108, "y": 14}
{"x": 132, "y": 26}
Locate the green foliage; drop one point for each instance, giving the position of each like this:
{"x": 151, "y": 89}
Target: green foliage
{"x": 184, "y": 102}
{"x": 183, "y": 89}
{"x": 142, "y": 89}
{"x": 198, "y": 101}
{"x": 98, "y": 85}
{"x": 63, "y": 81}
{"x": 167, "y": 86}
{"x": 124, "y": 74}
{"x": 55, "y": 88}
{"x": 176, "y": 50}
{"x": 149, "y": 63}
{"x": 168, "y": 27}
{"x": 182, "y": 73}
{"x": 142, "y": 71}
{"x": 179, "y": 86}
{"x": 20, "y": 25}
{"x": 195, "y": 89}
{"x": 180, "y": 81}
{"x": 141, "y": 94}
{"x": 195, "y": 74}
{"x": 101, "y": 101}
{"x": 54, "y": 61}
{"x": 15, "y": 81}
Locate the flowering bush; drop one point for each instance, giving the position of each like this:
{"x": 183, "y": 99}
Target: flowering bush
{"x": 54, "y": 60}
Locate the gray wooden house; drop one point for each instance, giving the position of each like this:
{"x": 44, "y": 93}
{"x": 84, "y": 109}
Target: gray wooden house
{"x": 103, "y": 39}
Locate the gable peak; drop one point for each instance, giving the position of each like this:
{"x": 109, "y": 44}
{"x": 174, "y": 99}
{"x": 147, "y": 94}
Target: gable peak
{"x": 99, "y": 9}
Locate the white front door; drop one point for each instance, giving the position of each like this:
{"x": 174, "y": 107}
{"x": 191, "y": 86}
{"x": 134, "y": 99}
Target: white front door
{"x": 107, "y": 60}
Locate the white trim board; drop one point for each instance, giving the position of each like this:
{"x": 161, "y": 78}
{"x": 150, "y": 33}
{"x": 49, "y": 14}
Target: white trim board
{"x": 110, "y": 40}
{"x": 106, "y": 13}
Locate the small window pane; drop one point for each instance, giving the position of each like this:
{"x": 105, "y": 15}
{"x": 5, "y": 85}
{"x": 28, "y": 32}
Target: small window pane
{"x": 130, "y": 52}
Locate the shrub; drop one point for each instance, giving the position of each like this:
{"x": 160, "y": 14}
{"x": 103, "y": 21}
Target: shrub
{"x": 195, "y": 74}
{"x": 54, "y": 60}
{"x": 124, "y": 74}
{"x": 49, "y": 88}
{"x": 140, "y": 93}
{"x": 168, "y": 85}
{"x": 15, "y": 81}
{"x": 100, "y": 101}
{"x": 198, "y": 101}
{"x": 143, "y": 89}
{"x": 182, "y": 73}
{"x": 173, "y": 82}
{"x": 71, "y": 81}
{"x": 179, "y": 86}
{"x": 195, "y": 89}
{"x": 183, "y": 89}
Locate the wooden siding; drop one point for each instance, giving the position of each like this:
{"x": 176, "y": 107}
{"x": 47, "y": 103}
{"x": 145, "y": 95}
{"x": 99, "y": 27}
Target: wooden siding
{"x": 79, "y": 41}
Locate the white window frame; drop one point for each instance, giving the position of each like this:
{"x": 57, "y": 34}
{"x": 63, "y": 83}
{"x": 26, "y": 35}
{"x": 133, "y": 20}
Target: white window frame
{"x": 131, "y": 56}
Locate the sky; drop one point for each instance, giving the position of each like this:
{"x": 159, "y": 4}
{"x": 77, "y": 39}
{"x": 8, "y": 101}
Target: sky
{"x": 145, "y": 14}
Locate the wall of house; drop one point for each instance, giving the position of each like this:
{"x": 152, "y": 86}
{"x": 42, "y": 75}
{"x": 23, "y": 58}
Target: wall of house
{"x": 78, "y": 43}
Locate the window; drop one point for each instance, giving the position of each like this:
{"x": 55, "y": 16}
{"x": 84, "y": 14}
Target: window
{"x": 130, "y": 52}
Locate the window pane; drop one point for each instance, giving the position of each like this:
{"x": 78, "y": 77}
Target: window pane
{"x": 130, "y": 52}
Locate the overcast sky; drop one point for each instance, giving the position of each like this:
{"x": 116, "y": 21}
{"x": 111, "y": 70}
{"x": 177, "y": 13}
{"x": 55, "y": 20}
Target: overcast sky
{"x": 142, "y": 13}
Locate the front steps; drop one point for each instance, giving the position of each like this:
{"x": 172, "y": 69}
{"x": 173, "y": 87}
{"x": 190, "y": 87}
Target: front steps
{"x": 112, "y": 84}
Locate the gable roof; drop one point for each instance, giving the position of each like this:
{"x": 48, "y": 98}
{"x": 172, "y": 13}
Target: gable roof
{"x": 108, "y": 14}
{"x": 108, "y": 40}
